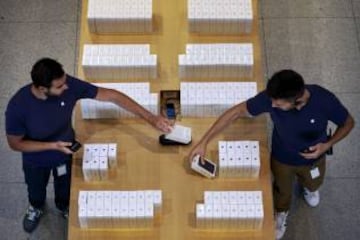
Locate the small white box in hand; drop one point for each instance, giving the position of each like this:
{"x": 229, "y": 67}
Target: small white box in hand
{"x": 180, "y": 134}
{"x": 208, "y": 169}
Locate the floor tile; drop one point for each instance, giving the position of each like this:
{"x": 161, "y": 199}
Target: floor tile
{"x": 336, "y": 217}
{"x": 357, "y": 22}
{"x": 24, "y": 43}
{"x": 12, "y": 229}
{"x": 306, "y": 8}
{"x": 324, "y": 51}
{"x": 356, "y": 5}
{"x": 345, "y": 160}
{"x": 38, "y": 10}
{"x": 11, "y": 170}
{"x": 51, "y": 225}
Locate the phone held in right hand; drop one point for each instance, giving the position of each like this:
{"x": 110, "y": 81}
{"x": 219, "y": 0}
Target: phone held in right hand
{"x": 75, "y": 146}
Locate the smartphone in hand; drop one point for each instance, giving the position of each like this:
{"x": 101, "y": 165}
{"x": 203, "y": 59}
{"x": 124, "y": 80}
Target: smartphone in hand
{"x": 75, "y": 146}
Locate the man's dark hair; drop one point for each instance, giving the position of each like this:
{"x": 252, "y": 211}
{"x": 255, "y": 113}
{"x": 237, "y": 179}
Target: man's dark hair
{"x": 45, "y": 71}
{"x": 285, "y": 84}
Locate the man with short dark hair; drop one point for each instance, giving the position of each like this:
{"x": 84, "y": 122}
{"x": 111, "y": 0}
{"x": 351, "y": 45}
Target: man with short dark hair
{"x": 300, "y": 114}
{"x": 38, "y": 124}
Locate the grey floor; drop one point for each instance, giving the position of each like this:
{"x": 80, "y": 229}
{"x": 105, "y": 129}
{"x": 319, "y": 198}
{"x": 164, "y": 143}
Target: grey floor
{"x": 318, "y": 38}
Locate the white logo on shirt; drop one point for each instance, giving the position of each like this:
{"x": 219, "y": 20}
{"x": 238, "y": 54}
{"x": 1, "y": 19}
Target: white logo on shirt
{"x": 62, "y": 103}
{"x": 312, "y": 121}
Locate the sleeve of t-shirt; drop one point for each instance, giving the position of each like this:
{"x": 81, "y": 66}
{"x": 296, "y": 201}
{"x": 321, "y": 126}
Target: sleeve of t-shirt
{"x": 335, "y": 110}
{"x": 14, "y": 120}
{"x": 81, "y": 88}
{"x": 258, "y": 104}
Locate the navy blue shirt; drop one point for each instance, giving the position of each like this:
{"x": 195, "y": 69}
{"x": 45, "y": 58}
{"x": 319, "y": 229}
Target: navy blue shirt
{"x": 46, "y": 120}
{"x": 296, "y": 130}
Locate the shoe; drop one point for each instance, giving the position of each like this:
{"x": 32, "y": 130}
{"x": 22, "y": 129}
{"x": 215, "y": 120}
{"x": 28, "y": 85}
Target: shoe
{"x": 64, "y": 213}
{"x": 31, "y": 219}
{"x": 311, "y": 198}
{"x": 280, "y": 221}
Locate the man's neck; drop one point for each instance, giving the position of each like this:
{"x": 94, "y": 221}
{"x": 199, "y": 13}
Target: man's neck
{"x": 38, "y": 93}
{"x": 304, "y": 100}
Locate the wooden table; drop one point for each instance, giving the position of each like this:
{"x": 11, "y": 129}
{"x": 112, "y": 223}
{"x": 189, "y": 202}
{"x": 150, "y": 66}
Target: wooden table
{"x": 144, "y": 164}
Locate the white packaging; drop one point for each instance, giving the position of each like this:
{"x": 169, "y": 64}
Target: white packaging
{"x": 112, "y": 154}
{"x": 200, "y": 215}
{"x": 180, "y": 134}
{"x": 208, "y": 170}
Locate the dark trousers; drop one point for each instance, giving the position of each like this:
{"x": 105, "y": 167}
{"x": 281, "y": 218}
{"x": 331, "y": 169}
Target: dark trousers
{"x": 284, "y": 176}
{"x": 37, "y": 179}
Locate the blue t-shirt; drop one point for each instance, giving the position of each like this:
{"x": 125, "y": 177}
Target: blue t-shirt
{"x": 296, "y": 130}
{"x": 46, "y": 120}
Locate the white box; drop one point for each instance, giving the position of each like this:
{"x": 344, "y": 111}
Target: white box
{"x": 200, "y": 215}
{"x": 180, "y": 134}
{"x": 208, "y": 170}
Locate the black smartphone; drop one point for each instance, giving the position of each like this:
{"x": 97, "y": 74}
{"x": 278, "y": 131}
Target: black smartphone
{"x": 75, "y": 146}
{"x": 208, "y": 166}
{"x": 164, "y": 141}
{"x": 170, "y": 111}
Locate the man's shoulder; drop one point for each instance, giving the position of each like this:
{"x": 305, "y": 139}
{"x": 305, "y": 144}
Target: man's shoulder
{"x": 318, "y": 90}
{"x": 22, "y": 95}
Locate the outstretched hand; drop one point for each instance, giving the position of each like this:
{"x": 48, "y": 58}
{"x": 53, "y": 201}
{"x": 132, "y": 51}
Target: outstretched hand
{"x": 199, "y": 149}
{"x": 162, "y": 124}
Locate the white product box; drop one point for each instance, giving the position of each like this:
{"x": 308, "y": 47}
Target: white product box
{"x": 148, "y": 215}
{"x": 180, "y": 134}
{"x": 157, "y": 198}
{"x": 200, "y": 215}
{"x": 208, "y": 169}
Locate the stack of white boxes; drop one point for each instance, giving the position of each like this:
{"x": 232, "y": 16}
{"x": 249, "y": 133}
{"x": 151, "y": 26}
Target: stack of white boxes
{"x": 239, "y": 159}
{"x": 119, "y": 61}
{"x": 217, "y": 60}
{"x": 220, "y": 16}
{"x": 97, "y": 158}
{"x": 140, "y": 92}
{"x": 118, "y": 209}
{"x": 242, "y": 210}
{"x": 120, "y": 16}
{"x": 211, "y": 99}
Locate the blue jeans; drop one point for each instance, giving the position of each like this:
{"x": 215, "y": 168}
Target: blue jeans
{"x": 37, "y": 178}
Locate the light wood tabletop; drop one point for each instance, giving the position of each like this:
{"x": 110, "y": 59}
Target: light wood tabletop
{"x": 144, "y": 164}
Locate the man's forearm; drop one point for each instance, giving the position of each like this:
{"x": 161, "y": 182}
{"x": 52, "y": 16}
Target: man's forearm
{"x": 225, "y": 120}
{"x": 32, "y": 146}
{"x": 125, "y": 102}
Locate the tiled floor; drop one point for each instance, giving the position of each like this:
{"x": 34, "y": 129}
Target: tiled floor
{"x": 318, "y": 38}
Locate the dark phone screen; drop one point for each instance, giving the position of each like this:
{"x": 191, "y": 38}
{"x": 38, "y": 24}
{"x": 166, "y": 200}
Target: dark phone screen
{"x": 170, "y": 110}
{"x": 75, "y": 146}
{"x": 208, "y": 166}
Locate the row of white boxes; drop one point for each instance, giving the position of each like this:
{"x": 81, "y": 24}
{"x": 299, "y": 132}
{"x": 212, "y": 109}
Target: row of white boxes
{"x": 217, "y": 60}
{"x": 120, "y": 16}
{"x": 118, "y": 209}
{"x": 140, "y": 92}
{"x": 97, "y": 159}
{"x": 241, "y": 210}
{"x": 119, "y": 61}
{"x": 239, "y": 159}
{"x": 220, "y": 16}
{"x": 211, "y": 99}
